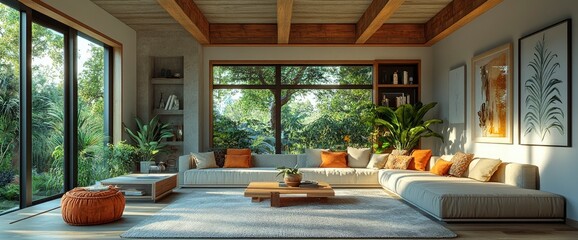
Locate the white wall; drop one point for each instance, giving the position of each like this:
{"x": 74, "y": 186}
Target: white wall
{"x": 507, "y": 22}
{"x": 125, "y": 92}
{"x": 312, "y": 53}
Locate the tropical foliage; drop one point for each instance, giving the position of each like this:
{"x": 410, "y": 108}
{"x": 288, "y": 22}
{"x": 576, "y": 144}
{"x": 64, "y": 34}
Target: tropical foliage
{"x": 150, "y": 137}
{"x": 310, "y": 117}
{"x": 543, "y": 93}
{"x": 96, "y": 159}
{"x": 405, "y": 125}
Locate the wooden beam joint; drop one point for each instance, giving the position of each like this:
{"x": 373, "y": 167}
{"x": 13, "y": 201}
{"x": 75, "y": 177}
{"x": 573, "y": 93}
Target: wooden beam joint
{"x": 374, "y": 17}
{"x": 190, "y": 17}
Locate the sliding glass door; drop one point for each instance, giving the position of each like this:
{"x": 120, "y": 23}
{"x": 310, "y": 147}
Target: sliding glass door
{"x": 54, "y": 107}
{"x": 47, "y": 111}
{"x": 9, "y": 108}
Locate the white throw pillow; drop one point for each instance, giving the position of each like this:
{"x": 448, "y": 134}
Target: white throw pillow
{"x": 358, "y": 157}
{"x": 205, "y": 160}
{"x": 484, "y": 169}
{"x": 314, "y": 157}
{"x": 377, "y": 161}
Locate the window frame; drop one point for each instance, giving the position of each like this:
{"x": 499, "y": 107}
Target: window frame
{"x": 27, "y": 17}
{"x": 278, "y": 87}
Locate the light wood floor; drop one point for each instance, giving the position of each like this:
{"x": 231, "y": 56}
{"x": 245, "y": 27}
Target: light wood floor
{"x": 49, "y": 225}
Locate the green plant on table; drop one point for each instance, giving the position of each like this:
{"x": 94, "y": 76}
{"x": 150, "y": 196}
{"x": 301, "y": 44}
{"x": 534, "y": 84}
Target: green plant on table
{"x": 149, "y": 137}
{"x": 288, "y": 171}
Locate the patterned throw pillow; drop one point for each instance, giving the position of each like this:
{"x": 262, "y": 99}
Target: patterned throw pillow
{"x": 398, "y": 162}
{"x": 401, "y": 162}
{"x": 460, "y": 163}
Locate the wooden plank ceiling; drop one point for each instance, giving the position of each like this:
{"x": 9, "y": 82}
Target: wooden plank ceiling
{"x": 297, "y": 22}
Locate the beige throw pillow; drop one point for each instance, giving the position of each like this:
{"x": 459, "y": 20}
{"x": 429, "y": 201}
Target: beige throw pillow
{"x": 484, "y": 169}
{"x": 358, "y": 157}
{"x": 205, "y": 160}
{"x": 314, "y": 157}
{"x": 377, "y": 161}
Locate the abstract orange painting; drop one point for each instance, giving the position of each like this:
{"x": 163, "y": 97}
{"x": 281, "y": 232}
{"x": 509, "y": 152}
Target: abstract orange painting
{"x": 492, "y": 96}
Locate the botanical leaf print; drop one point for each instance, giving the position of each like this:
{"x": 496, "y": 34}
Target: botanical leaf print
{"x": 543, "y": 93}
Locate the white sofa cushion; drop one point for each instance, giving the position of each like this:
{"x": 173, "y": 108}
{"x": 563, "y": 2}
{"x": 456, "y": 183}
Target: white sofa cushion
{"x": 205, "y": 160}
{"x": 449, "y": 198}
{"x": 377, "y": 161}
{"x": 314, "y": 157}
{"x": 274, "y": 161}
{"x": 358, "y": 157}
{"x": 229, "y": 176}
{"x": 484, "y": 169}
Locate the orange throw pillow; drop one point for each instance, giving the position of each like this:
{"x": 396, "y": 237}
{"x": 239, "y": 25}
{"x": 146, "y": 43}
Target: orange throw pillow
{"x": 237, "y": 161}
{"x": 441, "y": 167}
{"x": 333, "y": 159}
{"x": 238, "y": 151}
{"x": 420, "y": 159}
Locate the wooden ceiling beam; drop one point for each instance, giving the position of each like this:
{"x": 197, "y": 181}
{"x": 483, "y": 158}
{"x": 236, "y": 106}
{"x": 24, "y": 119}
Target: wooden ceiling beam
{"x": 454, "y": 16}
{"x": 374, "y": 17}
{"x": 284, "y": 13}
{"x": 190, "y": 17}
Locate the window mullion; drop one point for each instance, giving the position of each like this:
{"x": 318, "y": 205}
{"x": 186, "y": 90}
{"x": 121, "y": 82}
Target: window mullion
{"x": 277, "y": 122}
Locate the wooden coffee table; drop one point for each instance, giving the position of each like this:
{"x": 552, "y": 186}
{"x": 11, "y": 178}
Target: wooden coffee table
{"x": 152, "y": 186}
{"x": 261, "y": 190}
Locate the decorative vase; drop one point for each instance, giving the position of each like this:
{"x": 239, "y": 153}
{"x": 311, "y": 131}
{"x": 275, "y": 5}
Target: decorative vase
{"x": 292, "y": 180}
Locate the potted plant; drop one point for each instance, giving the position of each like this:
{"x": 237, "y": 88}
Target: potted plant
{"x": 291, "y": 176}
{"x": 405, "y": 125}
{"x": 149, "y": 138}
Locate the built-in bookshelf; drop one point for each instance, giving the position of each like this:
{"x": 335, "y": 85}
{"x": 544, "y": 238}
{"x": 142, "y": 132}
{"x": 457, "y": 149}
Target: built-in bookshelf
{"x": 166, "y": 86}
{"x": 397, "y": 82}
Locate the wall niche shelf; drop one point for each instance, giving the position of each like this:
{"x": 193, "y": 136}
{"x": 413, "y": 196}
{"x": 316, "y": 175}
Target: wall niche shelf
{"x": 166, "y": 79}
{"x": 387, "y": 89}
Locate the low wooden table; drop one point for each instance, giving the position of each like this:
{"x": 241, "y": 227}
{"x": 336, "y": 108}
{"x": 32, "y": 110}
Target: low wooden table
{"x": 261, "y": 190}
{"x": 153, "y": 186}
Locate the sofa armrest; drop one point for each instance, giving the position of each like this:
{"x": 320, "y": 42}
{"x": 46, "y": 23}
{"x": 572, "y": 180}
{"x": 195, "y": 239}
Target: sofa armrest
{"x": 184, "y": 165}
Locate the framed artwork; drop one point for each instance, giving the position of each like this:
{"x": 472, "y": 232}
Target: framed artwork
{"x": 456, "y": 94}
{"x": 492, "y": 96}
{"x": 545, "y": 87}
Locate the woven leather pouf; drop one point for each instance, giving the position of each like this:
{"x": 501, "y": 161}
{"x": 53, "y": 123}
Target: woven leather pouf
{"x": 82, "y": 207}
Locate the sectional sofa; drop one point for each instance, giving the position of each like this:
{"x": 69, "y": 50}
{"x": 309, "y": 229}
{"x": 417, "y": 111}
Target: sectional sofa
{"x": 264, "y": 169}
{"x": 510, "y": 195}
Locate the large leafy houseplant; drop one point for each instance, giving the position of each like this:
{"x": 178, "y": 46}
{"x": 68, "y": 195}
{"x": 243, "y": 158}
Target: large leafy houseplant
{"x": 149, "y": 137}
{"x": 405, "y": 125}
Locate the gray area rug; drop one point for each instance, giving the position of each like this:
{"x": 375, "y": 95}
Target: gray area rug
{"x": 226, "y": 213}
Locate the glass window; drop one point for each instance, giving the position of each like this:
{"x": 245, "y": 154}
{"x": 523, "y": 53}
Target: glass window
{"x": 326, "y": 75}
{"x": 319, "y": 107}
{"x": 92, "y": 166}
{"x": 242, "y": 119}
{"x": 243, "y": 75}
{"x": 47, "y": 112}
{"x": 9, "y": 108}
{"x": 315, "y": 118}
